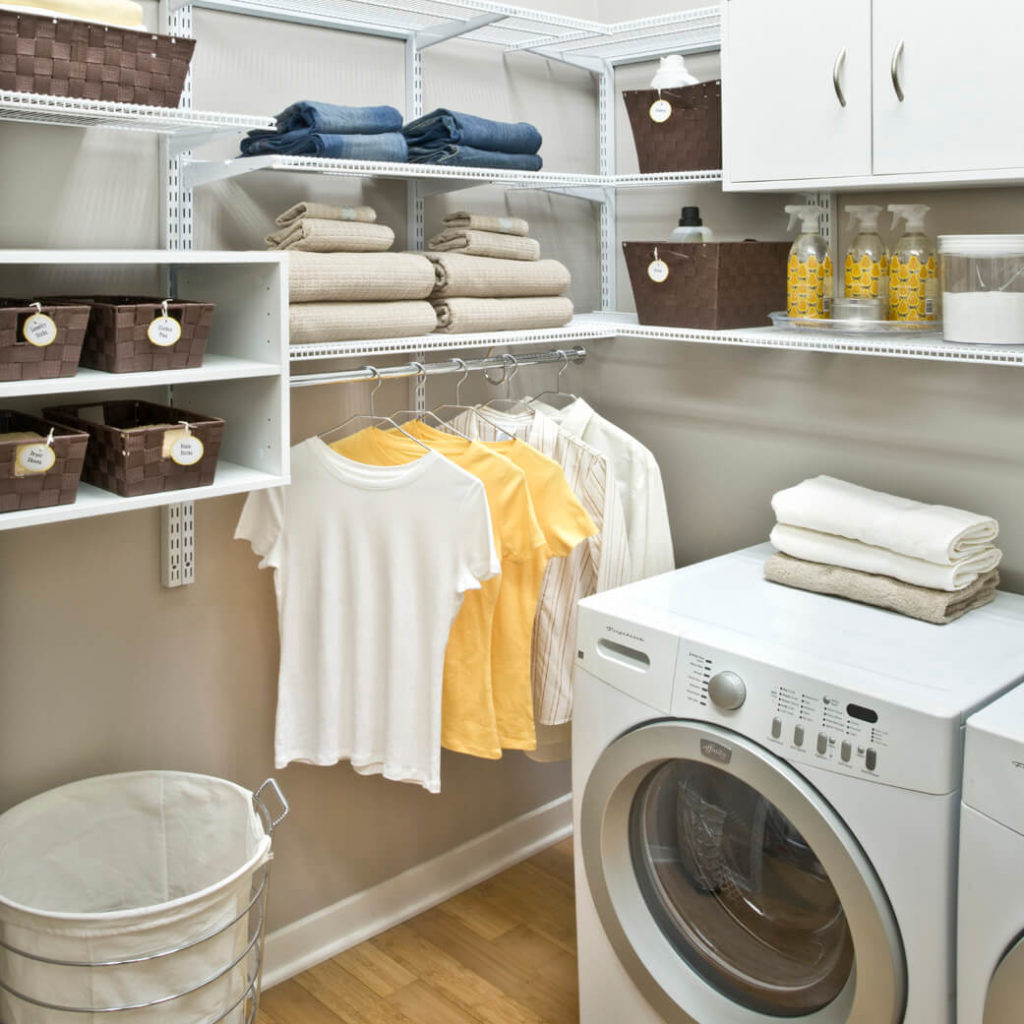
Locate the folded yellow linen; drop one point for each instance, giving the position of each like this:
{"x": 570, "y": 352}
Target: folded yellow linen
{"x": 484, "y": 222}
{"x": 484, "y": 277}
{"x": 358, "y": 276}
{"x": 315, "y": 235}
{"x": 937, "y": 606}
{"x": 324, "y": 211}
{"x": 313, "y": 322}
{"x": 467, "y": 316}
{"x": 485, "y": 243}
{"x": 125, "y": 13}
{"x": 813, "y": 546}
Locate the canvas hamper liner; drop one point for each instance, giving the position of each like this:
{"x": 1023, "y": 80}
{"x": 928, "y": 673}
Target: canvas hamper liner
{"x": 165, "y": 868}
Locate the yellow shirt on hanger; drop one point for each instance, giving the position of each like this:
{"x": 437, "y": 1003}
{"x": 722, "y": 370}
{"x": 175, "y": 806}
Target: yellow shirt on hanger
{"x": 564, "y": 523}
{"x": 468, "y": 718}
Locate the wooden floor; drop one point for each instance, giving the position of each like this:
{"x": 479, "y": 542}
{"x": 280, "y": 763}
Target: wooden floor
{"x": 502, "y": 953}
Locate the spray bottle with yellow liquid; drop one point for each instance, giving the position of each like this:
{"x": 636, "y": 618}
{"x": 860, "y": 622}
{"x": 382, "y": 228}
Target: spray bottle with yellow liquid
{"x": 913, "y": 271}
{"x": 866, "y": 273}
{"x": 809, "y": 286}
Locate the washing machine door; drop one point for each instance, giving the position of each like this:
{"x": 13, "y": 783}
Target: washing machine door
{"x": 730, "y": 889}
{"x": 1005, "y": 999}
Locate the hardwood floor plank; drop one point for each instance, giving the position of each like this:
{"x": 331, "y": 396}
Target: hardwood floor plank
{"x": 349, "y": 998}
{"x": 291, "y": 1003}
{"x": 537, "y": 956}
{"x": 375, "y": 969}
{"x": 534, "y": 898}
{"x": 479, "y": 914}
{"x": 556, "y": 861}
{"x": 424, "y": 1005}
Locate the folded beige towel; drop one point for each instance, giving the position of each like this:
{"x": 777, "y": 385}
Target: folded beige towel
{"x": 937, "y": 606}
{"x": 358, "y": 276}
{"x": 316, "y": 235}
{"x": 484, "y": 277}
{"x": 323, "y": 211}
{"x": 828, "y": 549}
{"x": 483, "y": 222}
{"x": 486, "y": 243}
{"x": 467, "y": 316}
{"x": 314, "y": 322}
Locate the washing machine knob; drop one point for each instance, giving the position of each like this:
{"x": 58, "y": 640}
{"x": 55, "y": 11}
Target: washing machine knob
{"x": 727, "y": 691}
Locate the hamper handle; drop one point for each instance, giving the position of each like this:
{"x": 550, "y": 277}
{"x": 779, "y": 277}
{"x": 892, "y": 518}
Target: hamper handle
{"x": 270, "y": 822}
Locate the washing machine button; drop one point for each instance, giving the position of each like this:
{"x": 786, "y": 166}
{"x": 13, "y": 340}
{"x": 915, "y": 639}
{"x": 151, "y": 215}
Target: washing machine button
{"x": 798, "y": 735}
{"x": 846, "y": 750}
{"x": 822, "y": 743}
{"x": 727, "y": 691}
{"x": 776, "y": 728}
{"x": 871, "y": 759}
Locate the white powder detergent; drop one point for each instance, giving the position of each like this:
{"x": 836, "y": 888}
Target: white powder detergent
{"x": 983, "y": 318}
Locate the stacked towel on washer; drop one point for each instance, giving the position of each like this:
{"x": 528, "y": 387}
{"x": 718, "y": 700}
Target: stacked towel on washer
{"x": 309, "y": 128}
{"x": 489, "y": 277}
{"x": 927, "y": 561}
{"x": 359, "y": 296}
{"x": 317, "y": 227}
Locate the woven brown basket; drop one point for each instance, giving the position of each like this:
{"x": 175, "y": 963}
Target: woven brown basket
{"x": 20, "y": 360}
{"x": 712, "y": 286}
{"x": 59, "y": 484}
{"x": 126, "y": 446}
{"x": 690, "y": 140}
{"x": 117, "y": 342}
{"x": 97, "y": 62}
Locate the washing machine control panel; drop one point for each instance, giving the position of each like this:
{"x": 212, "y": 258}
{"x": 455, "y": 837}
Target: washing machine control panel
{"x": 811, "y": 721}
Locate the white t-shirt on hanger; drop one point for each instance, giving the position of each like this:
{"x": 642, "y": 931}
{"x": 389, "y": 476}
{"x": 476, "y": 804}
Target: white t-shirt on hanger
{"x": 370, "y": 566}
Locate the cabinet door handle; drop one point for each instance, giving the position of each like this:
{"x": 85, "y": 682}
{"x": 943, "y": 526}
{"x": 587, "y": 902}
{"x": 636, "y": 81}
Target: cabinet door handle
{"x": 840, "y": 58}
{"x": 894, "y": 70}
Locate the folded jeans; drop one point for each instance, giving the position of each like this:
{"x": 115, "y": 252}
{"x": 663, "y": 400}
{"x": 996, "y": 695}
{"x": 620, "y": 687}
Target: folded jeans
{"x": 467, "y": 156}
{"x": 388, "y": 148}
{"x": 338, "y": 120}
{"x": 441, "y": 127}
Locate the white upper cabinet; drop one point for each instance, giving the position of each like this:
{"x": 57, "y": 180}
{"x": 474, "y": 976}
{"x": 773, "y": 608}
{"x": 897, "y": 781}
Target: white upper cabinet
{"x": 796, "y": 89}
{"x": 931, "y": 88}
{"x": 957, "y": 67}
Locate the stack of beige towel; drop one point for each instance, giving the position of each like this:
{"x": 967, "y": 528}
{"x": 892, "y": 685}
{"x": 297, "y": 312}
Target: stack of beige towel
{"x": 317, "y": 227}
{"x": 489, "y": 277}
{"x": 930, "y": 562}
{"x": 352, "y": 295}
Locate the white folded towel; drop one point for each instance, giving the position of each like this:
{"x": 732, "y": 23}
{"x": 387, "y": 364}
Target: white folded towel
{"x": 813, "y": 546}
{"x": 935, "y": 533}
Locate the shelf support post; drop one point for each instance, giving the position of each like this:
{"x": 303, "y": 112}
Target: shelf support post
{"x": 606, "y": 136}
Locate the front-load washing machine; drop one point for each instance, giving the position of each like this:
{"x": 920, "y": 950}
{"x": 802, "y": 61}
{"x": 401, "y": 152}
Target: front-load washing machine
{"x": 990, "y": 923}
{"x": 766, "y": 788}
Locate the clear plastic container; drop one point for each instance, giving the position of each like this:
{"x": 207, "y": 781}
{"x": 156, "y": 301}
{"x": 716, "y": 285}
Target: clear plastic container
{"x": 982, "y": 288}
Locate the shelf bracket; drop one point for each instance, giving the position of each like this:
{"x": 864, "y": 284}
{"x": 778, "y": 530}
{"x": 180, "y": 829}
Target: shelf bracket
{"x": 203, "y": 172}
{"x": 453, "y": 29}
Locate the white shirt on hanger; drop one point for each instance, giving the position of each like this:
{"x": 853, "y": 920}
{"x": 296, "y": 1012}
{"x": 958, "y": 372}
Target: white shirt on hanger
{"x": 636, "y": 477}
{"x": 370, "y": 567}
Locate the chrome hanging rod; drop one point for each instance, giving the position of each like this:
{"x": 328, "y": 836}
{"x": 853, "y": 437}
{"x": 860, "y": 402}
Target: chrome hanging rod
{"x": 576, "y": 354}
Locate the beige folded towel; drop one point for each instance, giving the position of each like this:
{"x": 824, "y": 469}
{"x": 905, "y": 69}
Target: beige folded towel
{"x": 316, "y": 235}
{"x": 324, "y": 211}
{"x": 483, "y": 222}
{"x": 485, "y": 243}
{"x": 484, "y": 277}
{"x": 358, "y": 276}
{"x": 314, "y": 322}
{"x": 937, "y": 606}
{"x": 468, "y": 316}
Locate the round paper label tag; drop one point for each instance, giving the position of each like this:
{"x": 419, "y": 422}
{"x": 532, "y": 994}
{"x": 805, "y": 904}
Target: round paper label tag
{"x": 164, "y": 331}
{"x": 661, "y": 111}
{"x": 36, "y": 458}
{"x": 39, "y": 330}
{"x": 657, "y": 271}
{"x": 187, "y": 451}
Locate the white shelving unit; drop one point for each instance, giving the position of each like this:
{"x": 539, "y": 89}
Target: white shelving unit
{"x": 244, "y": 377}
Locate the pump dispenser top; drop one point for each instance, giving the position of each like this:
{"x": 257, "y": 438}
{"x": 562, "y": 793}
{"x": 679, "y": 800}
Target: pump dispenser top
{"x": 809, "y": 217}
{"x": 913, "y": 213}
{"x": 809, "y": 277}
{"x": 866, "y": 218}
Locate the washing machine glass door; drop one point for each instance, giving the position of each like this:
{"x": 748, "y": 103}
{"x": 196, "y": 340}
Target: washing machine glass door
{"x": 1004, "y": 1003}
{"x": 730, "y": 889}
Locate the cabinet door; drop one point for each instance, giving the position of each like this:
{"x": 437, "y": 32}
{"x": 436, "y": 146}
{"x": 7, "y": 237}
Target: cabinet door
{"x": 958, "y": 67}
{"x": 787, "y": 69}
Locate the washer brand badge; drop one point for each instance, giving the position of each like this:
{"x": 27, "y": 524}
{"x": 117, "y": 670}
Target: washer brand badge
{"x": 715, "y": 751}
{"x": 1017, "y": 764}
{"x": 622, "y": 633}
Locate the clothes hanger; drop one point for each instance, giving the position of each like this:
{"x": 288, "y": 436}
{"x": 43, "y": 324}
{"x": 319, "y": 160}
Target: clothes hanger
{"x": 422, "y": 414}
{"x": 515, "y": 405}
{"x": 457, "y": 407}
{"x": 372, "y": 414}
{"x": 557, "y": 392}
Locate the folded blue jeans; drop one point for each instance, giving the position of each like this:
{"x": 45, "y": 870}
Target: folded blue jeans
{"x": 335, "y": 120}
{"x": 388, "y": 147}
{"x": 467, "y": 156}
{"x": 448, "y": 127}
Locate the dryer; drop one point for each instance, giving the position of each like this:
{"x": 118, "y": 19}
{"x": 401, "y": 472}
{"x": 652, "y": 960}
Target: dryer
{"x": 990, "y": 922}
{"x": 766, "y": 797}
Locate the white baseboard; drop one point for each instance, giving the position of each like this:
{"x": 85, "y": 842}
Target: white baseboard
{"x": 318, "y": 937}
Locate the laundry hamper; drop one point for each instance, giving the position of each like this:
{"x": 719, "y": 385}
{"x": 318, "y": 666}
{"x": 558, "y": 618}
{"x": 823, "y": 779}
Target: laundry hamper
{"x": 135, "y": 899}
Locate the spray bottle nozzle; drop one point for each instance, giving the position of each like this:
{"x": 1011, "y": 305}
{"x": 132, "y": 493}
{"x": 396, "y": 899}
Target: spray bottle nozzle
{"x": 809, "y": 217}
{"x": 866, "y": 217}
{"x": 913, "y": 213}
